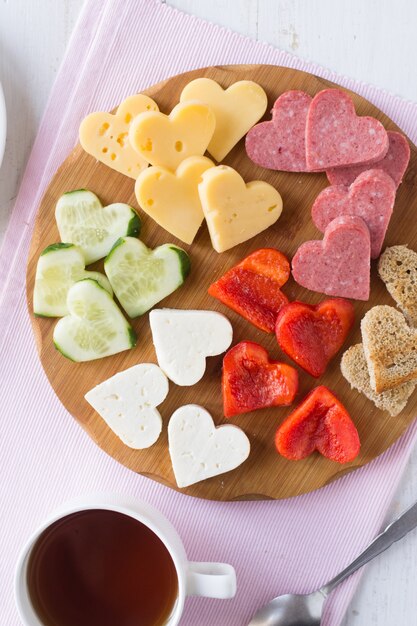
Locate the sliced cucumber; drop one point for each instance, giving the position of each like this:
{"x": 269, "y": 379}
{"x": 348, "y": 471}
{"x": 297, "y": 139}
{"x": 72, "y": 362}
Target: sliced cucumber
{"x": 95, "y": 326}
{"x": 59, "y": 267}
{"x": 141, "y": 277}
{"x": 82, "y": 220}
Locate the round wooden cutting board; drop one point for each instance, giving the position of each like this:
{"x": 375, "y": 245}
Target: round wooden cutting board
{"x": 265, "y": 474}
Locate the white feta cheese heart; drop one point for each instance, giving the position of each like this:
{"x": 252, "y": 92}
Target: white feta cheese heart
{"x": 199, "y": 450}
{"x": 127, "y": 403}
{"x": 183, "y": 340}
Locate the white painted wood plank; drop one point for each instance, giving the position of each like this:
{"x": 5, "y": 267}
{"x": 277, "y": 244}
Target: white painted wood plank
{"x": 371, "y": 40}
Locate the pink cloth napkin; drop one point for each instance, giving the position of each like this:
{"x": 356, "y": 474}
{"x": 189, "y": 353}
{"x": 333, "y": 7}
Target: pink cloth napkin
{"x": 120, "y": 47}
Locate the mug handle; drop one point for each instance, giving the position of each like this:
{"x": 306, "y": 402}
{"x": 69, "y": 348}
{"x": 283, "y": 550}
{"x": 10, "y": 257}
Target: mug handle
{"x": 212, "y": 580}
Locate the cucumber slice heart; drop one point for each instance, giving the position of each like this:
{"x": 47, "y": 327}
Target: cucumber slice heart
{"x": 82, "y": 220}
{"x": 95, "y": 326}
{"x": 59, "y": 267}
{"x": 141, "y": 277}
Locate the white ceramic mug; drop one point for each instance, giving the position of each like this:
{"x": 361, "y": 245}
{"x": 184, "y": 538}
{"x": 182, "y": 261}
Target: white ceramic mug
{"x": 212, "y": 580}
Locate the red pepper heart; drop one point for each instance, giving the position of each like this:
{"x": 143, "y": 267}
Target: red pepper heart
{"x": 252, "y": 288}
{"x": 319, "y": 423}
{"x": 251, "y": 381}
{"x": 312, "y": 335}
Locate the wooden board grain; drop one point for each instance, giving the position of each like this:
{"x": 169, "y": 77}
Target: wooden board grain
{"x": 265, "y": 474}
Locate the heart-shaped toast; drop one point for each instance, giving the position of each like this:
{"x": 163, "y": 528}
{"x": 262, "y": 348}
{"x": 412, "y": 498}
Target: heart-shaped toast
{"x": 167, "y": 140}
{"x": 172, "y": 199}
{"x": 251, "y": 381}
{"x": 199, "y": 450}
{"x": 340, "y": 264}
{"x": 394, "y": 163}
{"x": 95, "y": 326}
{"x": 371, "y": 197}
{"x": 127, "y": 402}
{"x": 106, "y": 136}
{"x": 236, "y": 109}
{"x": 320, "y": 423}
{"x": 82, "y": 220}
{"x": 312, "y": 335}
{"x": 280, "y": 143}
{"x": 390, "y": 348}
{"x": 398, "y": 269}
{"x": 183, "y": 340}
{"x": 235, "y": 211}
{"x": 141, "y": 277}
{"x": 337, "y": 137}
{"x": 252, "y": 288}
{"x": 59, "y": 267}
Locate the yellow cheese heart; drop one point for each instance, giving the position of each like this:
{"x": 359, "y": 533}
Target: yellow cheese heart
{"x": 236, "y": 109}
{"x": 172, "y": 199}
{"x": 106, "y": 136}
{"x": 236, "y": 211}
{"x": 169, "y": 139}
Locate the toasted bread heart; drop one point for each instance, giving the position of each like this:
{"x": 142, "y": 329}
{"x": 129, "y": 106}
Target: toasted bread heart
{"x": 390, "y": 347}
{"x": 398, "y": 269}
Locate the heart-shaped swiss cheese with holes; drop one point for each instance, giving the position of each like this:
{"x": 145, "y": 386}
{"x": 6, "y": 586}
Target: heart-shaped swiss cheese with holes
{"x": 236, "y": 211}
{"x": 127, "y": 402}
{"x": 199, "y": 450}
{"x": 106, "y": 136}
{"x": 169, "y": 139}
{"x": 171, "y": 198}
{"x": 236, "y": 108}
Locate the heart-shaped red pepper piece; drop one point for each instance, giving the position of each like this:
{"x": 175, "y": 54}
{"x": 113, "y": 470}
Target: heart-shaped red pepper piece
{"x": 251, "y": 381}
{"x": 252, "y": 288}
{"x": 312, "y": 335}
{"x": 320, "y": 423}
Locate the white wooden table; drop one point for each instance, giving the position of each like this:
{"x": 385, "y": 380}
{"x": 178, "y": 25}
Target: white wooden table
{"x": 369, "y": 40}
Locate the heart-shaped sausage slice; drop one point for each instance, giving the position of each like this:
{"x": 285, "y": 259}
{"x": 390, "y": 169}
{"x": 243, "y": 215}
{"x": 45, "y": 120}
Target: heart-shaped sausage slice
{"x": 312, "y": 335}
{"x": 280, "y": 143}
{"x": 106, "y": 136}
{"x": 390, "y": 347}
{"x": 172, "y": 199}
{"x": 337, "y": 137}
{"x": 235, "y": 211}
{"x": 253, "y": 287}
{"x": 320, "y": 423}
{"x": 184, "y": 339}
{"x": 167, "y": 140}
{"x": 398, "y": 269}
{"x": 340, "y": 264}
{"x": 127, "y": 402}
{"x": 199, "y": 450}
{"x": 236, "y": 109}
{"x": 251, "y": 381}
{"x": 371, "y": 196}
{"x": 394, "y": 163}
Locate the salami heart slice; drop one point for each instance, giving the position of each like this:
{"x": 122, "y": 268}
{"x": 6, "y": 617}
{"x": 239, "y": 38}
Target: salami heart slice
{"x": 394, "y": 163}
{"x": 280, "y": 143}
{"x": 337, "y": 137}
{"x": 371, "y": 196}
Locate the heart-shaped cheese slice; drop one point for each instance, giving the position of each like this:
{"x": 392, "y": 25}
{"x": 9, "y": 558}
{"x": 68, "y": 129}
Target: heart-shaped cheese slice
{"x": 106, "y": 136}
{"x": 236, "y": 109}
{"x": 184, "y": 339}
{"x": 235, "y": 211}
{"x": 169, "y": 139}
{"x": 127, "y": 402}
{"x": 94, "y": 327}
{"x": 82, "y": 220}
{"x": 172, "y": 199}
{"x": 199, "y": 450}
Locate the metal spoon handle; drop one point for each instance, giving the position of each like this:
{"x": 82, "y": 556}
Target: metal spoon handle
{"x": 392, "y": 533}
